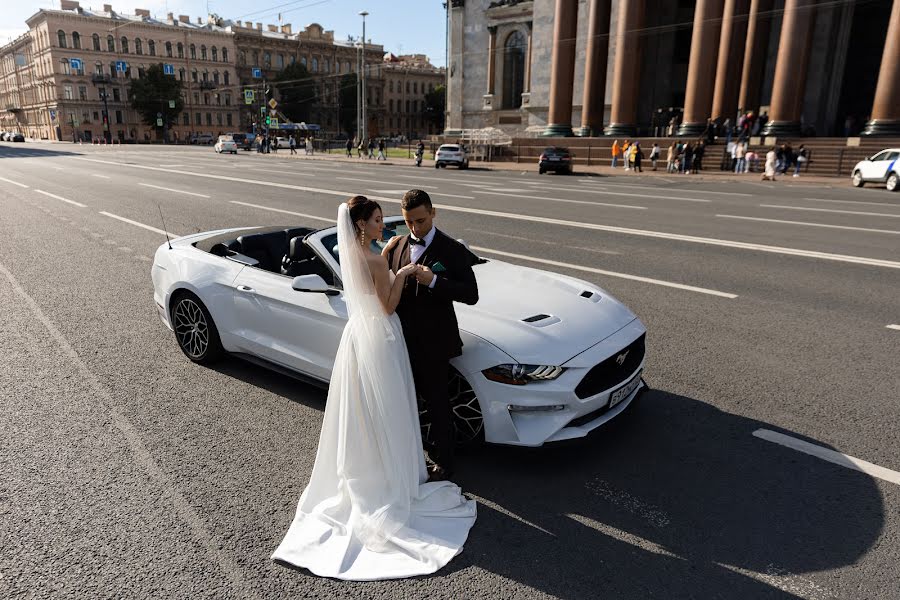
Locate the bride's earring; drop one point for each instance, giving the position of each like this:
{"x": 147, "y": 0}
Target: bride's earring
{"x": 362, "y": 238}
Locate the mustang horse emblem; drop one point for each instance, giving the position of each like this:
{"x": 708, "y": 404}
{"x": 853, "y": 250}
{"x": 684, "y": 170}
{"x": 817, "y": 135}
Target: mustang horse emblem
{"x": 620, "y": 359}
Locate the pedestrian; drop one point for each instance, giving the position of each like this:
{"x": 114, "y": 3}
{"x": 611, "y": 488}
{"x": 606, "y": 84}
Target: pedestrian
{"x": 359, "y": 148}
{"x": 637, "y": 156}
{"x": 293, "y": 145}
{"x": 670, "y": 158}
{"x": 726, "y": 129}
{"x": 371, "y": 148}
{"x": 801, "y": 159}
{"x": 275, "y": 145}
{"x": 616, "y": 153}
{"x": 626, "y": 147}
{"x": 771, "y": 159}
{"x": 699, "y": 151}
{"x": 381, "y": 155}
{"x": 349, "y": 148}
{"x": 751, "y": 165}
{"x": 779, "y": 158}
{"x": 687, "y": 159}
{"x": 311, "y": 145}
{"x": 740, "y": 154}
{"x": 654, "y": 155}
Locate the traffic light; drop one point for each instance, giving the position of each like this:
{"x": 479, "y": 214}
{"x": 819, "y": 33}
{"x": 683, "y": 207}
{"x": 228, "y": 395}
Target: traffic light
{"x": 268, "y": 120}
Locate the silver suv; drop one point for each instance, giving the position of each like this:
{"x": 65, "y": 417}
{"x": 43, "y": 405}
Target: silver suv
{"x": 451, "y": 154}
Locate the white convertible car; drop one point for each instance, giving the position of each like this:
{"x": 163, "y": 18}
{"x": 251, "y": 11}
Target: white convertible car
{"x": 546, "y": 357}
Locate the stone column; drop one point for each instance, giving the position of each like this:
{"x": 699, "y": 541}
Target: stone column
{"x": 594, "y": 97}
{"x": 702, "y": 67}
{"x": 626, "y": 71}
{"x": 488, "y": 99}
{"x": 790, "y": 69}
{"x": 759, "y": 23}
{"x": 562, "y": 68}
{"x": 886, "y": 109}
{"x": 455, "y": 105}
{"x": 731, "y": 58}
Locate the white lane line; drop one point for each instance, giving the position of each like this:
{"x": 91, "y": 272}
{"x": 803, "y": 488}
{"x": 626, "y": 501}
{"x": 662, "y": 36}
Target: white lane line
{"x": 809, "y": 224}
{"x": 853, "y": 202}
{"x": 158, "y": 187}
{"x": 401, "y": 192}
{"x": 873, "y": 262}
{"x": 141, "y": 225}
{"x": 896, "y": 327}
{"x": 598, "y": 190}
{"x": 278, "y": 210}
{"x": 21, "y": 185}
{"x": 100, "y": 176}
{"x": 533, "y": 241}
{"x": 658, "y": 188}
{"x": 79, "y": 204}
{"x": 829, "y": 455}
{"x": 430, "y": 187}
{"x": 831, "y": 210}
{"x": 554, "y": 263}
{"x": 170, "y": 166}
{"x": 548, "y": 199}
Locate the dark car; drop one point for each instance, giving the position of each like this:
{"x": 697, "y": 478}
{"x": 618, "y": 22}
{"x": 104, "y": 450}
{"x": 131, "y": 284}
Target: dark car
{"x": 18, "y": 137}
{"x": 244, "y": 141}
{"x": 555, "y": 159}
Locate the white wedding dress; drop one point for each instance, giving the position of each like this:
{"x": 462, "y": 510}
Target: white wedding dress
{"x": 368, "y": 512}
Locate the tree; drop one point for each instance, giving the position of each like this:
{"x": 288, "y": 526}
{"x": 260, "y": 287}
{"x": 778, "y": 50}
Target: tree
{"x": 153, "y": 95}
{"x": 435, "y": 105}
{"x": 297, "y": 91}
{"x": 347, "y": 104}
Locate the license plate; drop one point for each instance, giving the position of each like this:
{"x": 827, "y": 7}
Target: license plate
{"x": 625, "y": 391}
{"x": 554, "y": 158}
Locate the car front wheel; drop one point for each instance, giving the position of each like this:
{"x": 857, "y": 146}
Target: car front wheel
{"x": 195, "y": 331}
{"x": 468, "y": 421}
{"x": 857, "y": 179}
{"x": 893, "y": 182}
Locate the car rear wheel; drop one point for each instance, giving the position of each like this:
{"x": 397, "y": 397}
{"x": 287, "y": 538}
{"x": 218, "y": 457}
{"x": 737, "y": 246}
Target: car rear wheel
{"x": 893, "y": 182}
{"x": 857, "y": 179}
{"x": 195, "y": 330}
{"x": 541, "y": 171}
{"x": 468, "y": 421}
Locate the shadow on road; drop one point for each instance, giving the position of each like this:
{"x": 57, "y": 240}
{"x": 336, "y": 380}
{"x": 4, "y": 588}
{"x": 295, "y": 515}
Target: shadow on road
{"x": 8, "y": 150}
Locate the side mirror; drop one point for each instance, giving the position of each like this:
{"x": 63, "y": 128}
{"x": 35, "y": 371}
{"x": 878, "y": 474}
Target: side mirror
{"x": 314, "y": 284}
{"x": 464, "y": 243}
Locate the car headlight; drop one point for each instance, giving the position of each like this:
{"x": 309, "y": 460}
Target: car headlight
{"x": 516, "y": 374}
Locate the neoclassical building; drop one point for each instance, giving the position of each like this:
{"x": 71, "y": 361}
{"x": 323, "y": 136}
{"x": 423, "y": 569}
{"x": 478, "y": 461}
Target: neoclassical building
{"x": 626, "y": 67}
{"x": 408, "y": 78}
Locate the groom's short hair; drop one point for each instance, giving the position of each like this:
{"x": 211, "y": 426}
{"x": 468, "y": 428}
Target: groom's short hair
{"x": 414, "y": 199}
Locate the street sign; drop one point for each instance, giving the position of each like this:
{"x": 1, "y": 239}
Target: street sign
{"x": 273, "y": 123}
{"x": 159, "y": 123}
{"x": 262, "y": 110}
{"x": 248, "y": 96}
{"x": 75, "y": 64}
{"x": 121, "y": 66}
{"x": 272, "y": 103}
{"x": 168, "y": 69}
{"x": 273, "y": 112}
{"x": 257, "y": 73}
{"x": 158, "y": 115}
{"x": 52, "y": 115}
{"x": 171, "y": 104}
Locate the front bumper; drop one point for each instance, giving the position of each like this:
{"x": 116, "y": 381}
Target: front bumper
{"x": 576, "y": 418}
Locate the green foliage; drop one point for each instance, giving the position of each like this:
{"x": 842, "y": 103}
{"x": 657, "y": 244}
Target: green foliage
{"x": 297, "y": 93}
{"x": 151, "y": 95}
{"x": 435, "y": 105}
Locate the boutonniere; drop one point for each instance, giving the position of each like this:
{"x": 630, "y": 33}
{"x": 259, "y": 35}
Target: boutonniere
{"x": 438, "y": 267}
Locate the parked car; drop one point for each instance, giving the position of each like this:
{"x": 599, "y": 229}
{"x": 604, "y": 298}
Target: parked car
{"x": 282, "y": 142}
{"x": 5, "y": 136}
{"x": 202, "y": 138}
{"x": 225, "y": 143}
{"x": 555, "y": 159}
{"x": 244, "y": 141}
{"x": 546, "y": 357}
{"x": 451, "y": 154}
{"x": 17, "y": 137}
{"x": 882, "y": 167}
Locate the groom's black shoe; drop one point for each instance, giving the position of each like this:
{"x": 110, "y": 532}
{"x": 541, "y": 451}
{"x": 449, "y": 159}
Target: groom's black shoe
{"x": 438, "y": 473}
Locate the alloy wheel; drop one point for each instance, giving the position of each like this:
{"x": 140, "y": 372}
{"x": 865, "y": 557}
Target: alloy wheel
{"x": 191, "y": 328}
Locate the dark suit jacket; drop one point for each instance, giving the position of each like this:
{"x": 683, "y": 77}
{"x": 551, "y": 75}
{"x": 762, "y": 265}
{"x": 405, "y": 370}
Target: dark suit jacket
{"x": 429, "y": 321}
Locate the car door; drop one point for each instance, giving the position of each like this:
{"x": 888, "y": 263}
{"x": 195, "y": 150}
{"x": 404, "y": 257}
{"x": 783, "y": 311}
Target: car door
{"x": 298, "y": 330}
{"x": 886, "y": 164}
{"x": 872, "y": 167}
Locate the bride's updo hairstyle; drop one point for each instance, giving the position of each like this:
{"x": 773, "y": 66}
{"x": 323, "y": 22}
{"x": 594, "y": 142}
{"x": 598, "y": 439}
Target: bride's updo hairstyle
{"x": 361, "y": 209}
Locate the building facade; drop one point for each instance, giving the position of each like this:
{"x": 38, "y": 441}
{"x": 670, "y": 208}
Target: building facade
{"x": 408, "y": 78}
{"x": 626, "y": 67}
{"x": 72, "y": 68}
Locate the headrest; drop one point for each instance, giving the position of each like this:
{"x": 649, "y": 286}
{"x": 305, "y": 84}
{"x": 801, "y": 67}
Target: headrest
{"x": 298, "y": 250}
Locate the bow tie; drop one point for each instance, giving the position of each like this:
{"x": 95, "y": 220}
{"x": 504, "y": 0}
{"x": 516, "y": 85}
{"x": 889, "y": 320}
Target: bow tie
{"x": 413, "y": 240}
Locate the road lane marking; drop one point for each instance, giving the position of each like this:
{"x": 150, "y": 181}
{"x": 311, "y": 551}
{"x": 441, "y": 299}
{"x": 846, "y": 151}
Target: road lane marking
{"x": 533, "y": 241}
{"x": 141, "y": 225}
{"x": 827, "y": 454}
{"x": 873, "y": 262}
{"x": 544, "y": 261}
{"x": 100, "y": 176}
{"x": 279, "y": 210}
{"x": 660, "y": 187}
{"x": 897, "y": 327}
{"x": 159, "y": 187}
{"x": 853, "y": 202}
{"x": 79, "y": 204}
{"x": 401, "y": 192}
{"x": 170, "y": 166}
{"x": 430, "y": 187}
{"x": 830, "y": 210}
{"x": 548, "y": 199}
{"x": 809, "y": 224}
{"x": 21, "y": 185}
{"x": 598, "y": 190}
{"x": 139, "y": 453}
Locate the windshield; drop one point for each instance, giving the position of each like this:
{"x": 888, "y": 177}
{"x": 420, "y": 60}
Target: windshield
{"x": 449, "y": 148}
{"x": 390, "y": 230}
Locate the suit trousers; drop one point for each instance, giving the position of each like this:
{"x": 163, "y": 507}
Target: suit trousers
{"x": 430, "y": 377}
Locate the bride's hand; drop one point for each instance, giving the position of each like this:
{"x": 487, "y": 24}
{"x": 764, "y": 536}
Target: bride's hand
{"x": 408, "y": 270}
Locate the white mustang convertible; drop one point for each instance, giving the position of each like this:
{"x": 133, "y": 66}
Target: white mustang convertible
{"x": 546, "y": 357}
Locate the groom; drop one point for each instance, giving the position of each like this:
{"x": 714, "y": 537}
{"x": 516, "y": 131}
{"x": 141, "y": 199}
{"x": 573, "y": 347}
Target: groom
{"x": 426, "y": 312}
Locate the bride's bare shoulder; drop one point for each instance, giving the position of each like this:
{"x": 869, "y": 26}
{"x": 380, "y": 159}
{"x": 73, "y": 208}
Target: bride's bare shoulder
{"x": 376, "y": 260}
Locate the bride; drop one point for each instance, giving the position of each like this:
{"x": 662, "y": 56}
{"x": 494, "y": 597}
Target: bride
{"x": 368, "y": 512}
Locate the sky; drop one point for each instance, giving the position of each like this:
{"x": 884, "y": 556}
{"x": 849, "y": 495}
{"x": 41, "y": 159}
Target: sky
{"x": 401, "y": 26}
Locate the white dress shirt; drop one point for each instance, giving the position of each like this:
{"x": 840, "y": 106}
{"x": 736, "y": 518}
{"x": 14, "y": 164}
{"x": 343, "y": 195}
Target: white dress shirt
{"x": 416, "y": 250}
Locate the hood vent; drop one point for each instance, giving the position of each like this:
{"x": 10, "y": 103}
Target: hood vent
{"x": 541, "y": 320}
{"x": 592, "y": 296}
{"x": 535, "y": 318}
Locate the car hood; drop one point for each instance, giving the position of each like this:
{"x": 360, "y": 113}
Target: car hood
{"x": 538, "y": 317}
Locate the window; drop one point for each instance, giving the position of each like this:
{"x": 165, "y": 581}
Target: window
{"x": 61, "y": 35}
{"x": 96, "y": 41}
{"x": 216, "y": 78}
{"x": 194, "y": 75}
{"x": 112, "y": 70}
{"x": 193, "y": 50}
{"x": 205, "y": 75}
{"x": 347, "y": 66}
{"x": 267, "y": 59}
{"x": 67, "y": 92}
{"x": 256, "y": 58}
{"x": 206, "y": 99}
{"x": 215, "y": 54}
{"x": 181, "y": 74}
{"x": 209, "y": 118}
{"x": 152, "y": 46}
{"x": 337, "y": 66}
{"x": 180, "y": 50}
{"x": 407, "y": 87}
{"x": 293, "y": 59}
{"x": 415, "y": 87}
{"x": 82, "y": 92}
{"x": 315, "y": 65}
{"x": 279, "y": 61}
{"x": 514, "y": 70}
{"x": 203, "y": 52}
{"x": 196, "y": 97}
{"x": 407, "y": 106}
{"x": 117, "y": 95}
{"x": 197, "y": 119}
{"x": 391, "y": 105}
{"x": 98, "y": 69}
{"x": 119, "y": 119}
{"x": 141, "y": 73}
{"x": 110, "y": 43}
{"x": 224, "y": 54}
{"x": 242, "y": 57}
{"x": 327, "y": 66}
{"x": 228, "y": 101}
{"x": 138, "y": 46}
{"x": 185, "y": 119}
{"x": 64, "y": 63}
{"x": 218, "y": 118}
{"x": 227, "y": 78}
{"x": 124, "y": 45}
{"x": 391, "y": 86}
{"x": 303, "y": 61}
{"x": 76, "y": 40}
{"x": 96, "y": 116}
{"x": 169, "y": 49}
{"x": 228, "y": 119}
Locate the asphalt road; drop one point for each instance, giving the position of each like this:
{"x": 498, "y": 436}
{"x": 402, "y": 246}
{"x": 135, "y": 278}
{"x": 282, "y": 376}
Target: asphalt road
{"x": 128, "y": 471}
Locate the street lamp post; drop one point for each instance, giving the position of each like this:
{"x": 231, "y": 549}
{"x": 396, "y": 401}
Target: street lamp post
{"x": 365, "y": 120}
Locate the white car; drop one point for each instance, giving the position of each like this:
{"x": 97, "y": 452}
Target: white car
{"x": 226, "y": 143}
{"x": 883, "y": 167}
{"x": 545, "y": 358}
{"x": 451, "y": 154}
{"x": 282, "y": 142}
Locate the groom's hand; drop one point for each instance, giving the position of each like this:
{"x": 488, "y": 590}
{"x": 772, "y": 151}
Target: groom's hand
{"x": 424, "y": 275}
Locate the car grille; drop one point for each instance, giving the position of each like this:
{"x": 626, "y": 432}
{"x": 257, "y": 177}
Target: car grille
{"x": 609, "y": 373}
